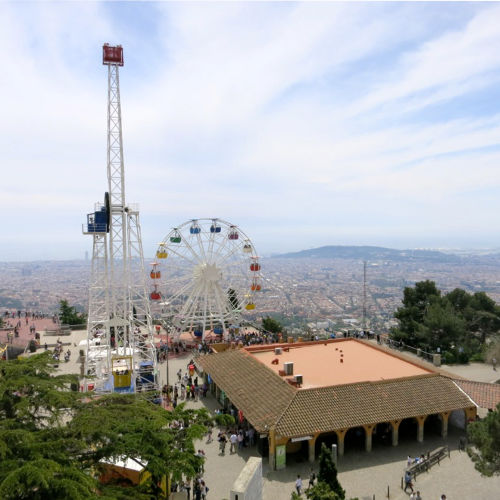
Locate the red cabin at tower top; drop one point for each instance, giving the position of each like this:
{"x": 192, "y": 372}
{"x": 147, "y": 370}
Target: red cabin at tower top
{"x": 112, "y": 54}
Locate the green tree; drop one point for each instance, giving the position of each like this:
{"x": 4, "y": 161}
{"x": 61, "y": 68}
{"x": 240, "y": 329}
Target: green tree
{"x": 41, "y": 479}
{"x": 459, "y": 299}
{"x": 271, "y": 325}
{"x": 321, "y": 491}
{"x": 328, "y": 472}
{"x": 484, "y": 436}
{"x": 133, "y": 427}
{"x": 53, "y": 441}
{"x": 441, "y": 326}
{"x": 68, "y": 314}
{"x": 32, "y": 396}
{"x": 36, "y": 457}
{"x": 458, "y": 322}
{"x": 416, "y": 301}
{"x": 483, "y": 316}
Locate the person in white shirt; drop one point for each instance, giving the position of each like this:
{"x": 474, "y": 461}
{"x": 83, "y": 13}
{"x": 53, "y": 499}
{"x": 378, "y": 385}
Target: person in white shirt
{"x": 298, "y": 485}
{"x": 234, "y": 439}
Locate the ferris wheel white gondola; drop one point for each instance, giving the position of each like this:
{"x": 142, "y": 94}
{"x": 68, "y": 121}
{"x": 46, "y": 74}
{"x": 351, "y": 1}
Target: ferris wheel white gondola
{"x": 210, "y": 275}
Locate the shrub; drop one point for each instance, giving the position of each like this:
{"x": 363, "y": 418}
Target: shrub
{"x": 448, "y": 358}
{"x": 477, "y": 356}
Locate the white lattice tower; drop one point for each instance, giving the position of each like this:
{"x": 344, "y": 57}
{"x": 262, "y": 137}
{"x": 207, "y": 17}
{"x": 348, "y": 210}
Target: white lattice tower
{"x": 118, "y": 300}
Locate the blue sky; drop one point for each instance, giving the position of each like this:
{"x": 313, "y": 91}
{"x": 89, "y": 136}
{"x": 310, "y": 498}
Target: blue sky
{"x": 306, "y": 124}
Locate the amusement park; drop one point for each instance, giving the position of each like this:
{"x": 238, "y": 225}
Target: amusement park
{"x": 206, "y": 275}
{"x": 172, "y": 353}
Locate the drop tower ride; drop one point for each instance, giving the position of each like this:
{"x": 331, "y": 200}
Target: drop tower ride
{"x": 120, "y": 355}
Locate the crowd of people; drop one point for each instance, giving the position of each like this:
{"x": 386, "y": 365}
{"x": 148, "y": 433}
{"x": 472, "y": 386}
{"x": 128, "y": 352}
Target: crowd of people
{"x": 14, "y": 321}
{"x": 196, "y": 485}
{"x": 238, "y": 439}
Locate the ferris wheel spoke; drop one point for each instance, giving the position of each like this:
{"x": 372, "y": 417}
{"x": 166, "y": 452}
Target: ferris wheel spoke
{"x": 228, "y": 255}
{"x": 222, "y": 306}
{"x": 191, "y": 300}
{"x": 193, "y": 253}
{"x": 205, "y": 307}
{"x": 221, "y": 244}
{"x": 210, "y": 247}
{"x": 201, "y": 246}
{"x": 182, "y": 256}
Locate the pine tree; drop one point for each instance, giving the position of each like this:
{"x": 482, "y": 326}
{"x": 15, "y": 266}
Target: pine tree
{"x": 328, "y": 472}
{"x": 484, "y": 436}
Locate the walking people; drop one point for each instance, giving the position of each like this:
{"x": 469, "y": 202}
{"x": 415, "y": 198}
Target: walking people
{"x": 298, "y": 485}
{"x": 312, "y": 478}
{"x": 209, "y": 435}
{"x": 222, "y": 444}
{"x": 187, "y": 487}
{"x": 204, "y": 490}
{"x": 408, "y": 483}
{"x": 233, "y": 440}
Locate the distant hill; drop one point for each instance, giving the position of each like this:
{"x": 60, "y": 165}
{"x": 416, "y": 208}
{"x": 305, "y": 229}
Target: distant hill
{"x": 371, "y": 253}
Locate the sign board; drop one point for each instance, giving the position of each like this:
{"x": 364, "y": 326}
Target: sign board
{"x": 280, "y": 456}
{"x": 303, "y": 438}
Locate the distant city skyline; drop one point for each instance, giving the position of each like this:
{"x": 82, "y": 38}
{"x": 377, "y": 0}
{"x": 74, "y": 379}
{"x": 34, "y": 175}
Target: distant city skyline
{"x": 306, "y": 124}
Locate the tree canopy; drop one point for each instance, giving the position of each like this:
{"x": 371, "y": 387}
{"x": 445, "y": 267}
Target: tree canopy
{"x": 328, "y": 472}
{"x": 271, "y": 325}
{"x": 53, "y": 441}
{"x": 69, "y": 315}
{"x": 457, "y": 322}
{"x": 484, "y": 436}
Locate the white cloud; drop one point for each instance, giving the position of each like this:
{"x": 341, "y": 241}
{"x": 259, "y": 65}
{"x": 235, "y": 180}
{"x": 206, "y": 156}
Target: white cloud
{"x": 318, "y": 117}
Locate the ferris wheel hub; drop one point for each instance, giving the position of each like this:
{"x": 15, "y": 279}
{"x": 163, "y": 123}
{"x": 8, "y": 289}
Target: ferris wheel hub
{"x": 208, "y": 273}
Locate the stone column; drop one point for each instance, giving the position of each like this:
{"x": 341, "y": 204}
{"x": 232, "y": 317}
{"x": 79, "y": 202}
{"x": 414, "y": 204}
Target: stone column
{"x": 340, "y": 441}
{"x": 470, "y": 415}
{"x": 420, "y": 432}
{"x": 444, "y": 423}
{"x": 395, "y": 431}
{"x": 272, "y": 449}
{"x": 368, "y": 436}
{"x": 312, "y": 448}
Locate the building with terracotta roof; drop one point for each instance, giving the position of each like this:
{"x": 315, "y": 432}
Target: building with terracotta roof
{"x": 340, "y": 391}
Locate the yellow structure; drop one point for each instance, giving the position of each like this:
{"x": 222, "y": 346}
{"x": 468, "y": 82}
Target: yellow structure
{"x": 122, "y": 367}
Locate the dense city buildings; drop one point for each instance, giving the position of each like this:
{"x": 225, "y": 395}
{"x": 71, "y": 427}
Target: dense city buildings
{"x": 314, "y": 293}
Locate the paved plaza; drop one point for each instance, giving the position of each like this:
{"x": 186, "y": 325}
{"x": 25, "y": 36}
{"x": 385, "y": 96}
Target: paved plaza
{"x": 361, "y": 474}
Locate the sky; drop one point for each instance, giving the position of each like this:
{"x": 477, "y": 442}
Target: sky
{"x": 306, "y": 124}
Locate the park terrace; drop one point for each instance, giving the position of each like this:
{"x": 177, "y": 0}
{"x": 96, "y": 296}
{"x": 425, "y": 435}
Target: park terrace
{"x": 341, "y": 391}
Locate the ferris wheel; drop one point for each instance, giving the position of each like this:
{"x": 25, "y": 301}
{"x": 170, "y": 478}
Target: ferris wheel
{"x": 206, "y": 274}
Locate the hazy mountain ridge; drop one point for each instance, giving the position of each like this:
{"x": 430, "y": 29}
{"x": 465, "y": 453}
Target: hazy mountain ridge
{"x": 381, "y": 253}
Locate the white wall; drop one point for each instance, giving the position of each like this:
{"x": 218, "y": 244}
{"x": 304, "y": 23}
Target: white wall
{"x": 248, "y": 485}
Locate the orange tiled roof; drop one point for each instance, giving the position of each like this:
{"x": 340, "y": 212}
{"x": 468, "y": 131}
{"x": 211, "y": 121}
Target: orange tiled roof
{"x": 253, "y": 388}
{"x": 352, "y": 405}
{"x": 484, "y": 394}
{"x": 266, "y": 400}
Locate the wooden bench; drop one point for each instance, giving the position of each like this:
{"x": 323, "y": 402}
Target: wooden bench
{"x": 432, "y": 458}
